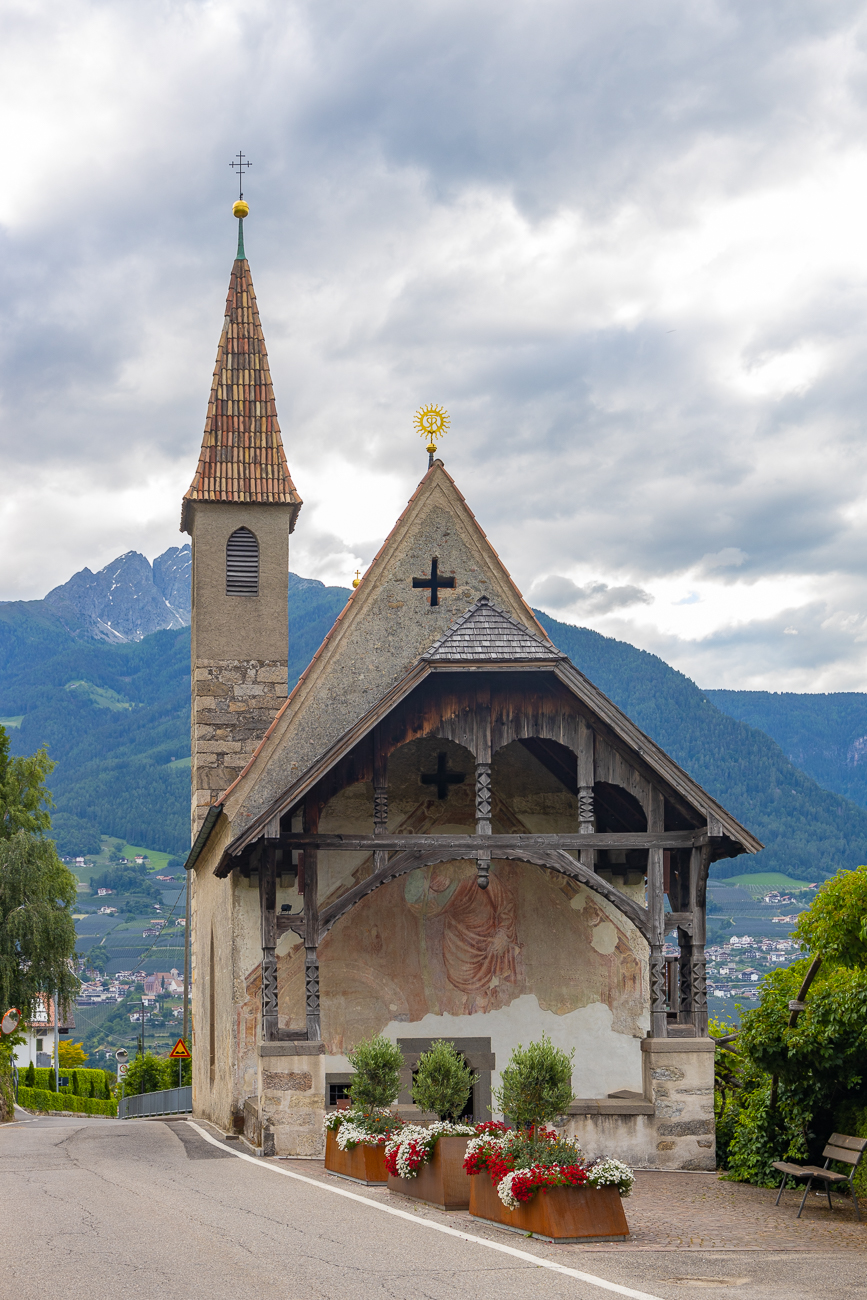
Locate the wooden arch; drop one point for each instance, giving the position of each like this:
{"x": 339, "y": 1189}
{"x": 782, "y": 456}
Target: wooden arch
{"x": 552, "y": 860}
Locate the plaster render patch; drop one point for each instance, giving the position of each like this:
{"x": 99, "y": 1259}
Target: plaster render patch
{"x": 604, "y": 1061}
{"x": 604, "y": 937}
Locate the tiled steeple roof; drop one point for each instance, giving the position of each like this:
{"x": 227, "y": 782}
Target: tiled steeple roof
{"x": 242, "y": 458}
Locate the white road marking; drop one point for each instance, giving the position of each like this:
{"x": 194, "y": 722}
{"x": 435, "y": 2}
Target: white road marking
{"x": 590, "y": 1278}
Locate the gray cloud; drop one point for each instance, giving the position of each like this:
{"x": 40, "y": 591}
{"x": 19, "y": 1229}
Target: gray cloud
{"x": 556, "y": 592}
{"x": 572, "y": 225}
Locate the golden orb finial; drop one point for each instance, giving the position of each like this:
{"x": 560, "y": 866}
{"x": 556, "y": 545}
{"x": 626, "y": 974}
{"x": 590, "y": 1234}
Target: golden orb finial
{"x": 357, "y": 579}
{"x": 432, "y": 422}
{"x": 240, "y": 208}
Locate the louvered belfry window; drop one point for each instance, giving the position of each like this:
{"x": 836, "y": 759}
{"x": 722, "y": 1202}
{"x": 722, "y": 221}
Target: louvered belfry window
{"x": 242, "y": 564}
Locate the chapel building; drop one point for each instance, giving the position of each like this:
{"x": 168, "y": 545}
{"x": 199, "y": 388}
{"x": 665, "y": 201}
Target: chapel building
{"x": 444, "y": 830}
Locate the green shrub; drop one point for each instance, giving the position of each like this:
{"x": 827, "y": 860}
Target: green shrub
{"x": 145, "y": 1074}
{"x": 851, "y": 1119}
{"x": 377, "y": 1064}
{"x": 443, "y": 1081}
{"x": 30, "y": 1076}
{"x": 43, "y": 1077}
{"x": 42, "y": 1099}
{"x": 536, "y": 1085}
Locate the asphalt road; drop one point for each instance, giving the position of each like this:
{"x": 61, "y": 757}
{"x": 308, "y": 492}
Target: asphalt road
{"x": 139, "y": 1210}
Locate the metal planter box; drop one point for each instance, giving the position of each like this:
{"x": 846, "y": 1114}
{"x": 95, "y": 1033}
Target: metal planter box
{"x": 441, "y": 1181}
{"x": 554, "y": 1213}
{"x": 363, "y": 1164}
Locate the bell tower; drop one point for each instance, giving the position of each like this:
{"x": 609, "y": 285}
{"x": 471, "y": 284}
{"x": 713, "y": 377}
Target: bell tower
{"x": 239, "y": 511}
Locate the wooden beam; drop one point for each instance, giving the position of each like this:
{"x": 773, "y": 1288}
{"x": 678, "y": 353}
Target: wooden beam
{"x": 549, "y": 859}
{"x": 470, "y": 844}
{"x": 656, "y": 908}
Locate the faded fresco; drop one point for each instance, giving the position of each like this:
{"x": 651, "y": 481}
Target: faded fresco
{"x": 432, "y": 941}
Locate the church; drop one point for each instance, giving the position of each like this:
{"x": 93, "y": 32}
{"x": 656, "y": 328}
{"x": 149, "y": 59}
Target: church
{"x": 444, "y": 830}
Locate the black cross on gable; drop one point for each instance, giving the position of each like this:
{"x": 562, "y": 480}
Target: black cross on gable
{"x": 442, "y": 778}
{"x": 435, "y": 582}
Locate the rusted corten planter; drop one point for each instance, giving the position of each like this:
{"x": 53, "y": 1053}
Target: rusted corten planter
{"x": 364, "y": 1164}
{"x": 556, "y": 1213}
{"x": 441, "y": 1181}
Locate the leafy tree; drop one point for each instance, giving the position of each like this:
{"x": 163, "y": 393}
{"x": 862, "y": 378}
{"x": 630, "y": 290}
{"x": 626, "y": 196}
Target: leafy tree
{"x": 377, "y": 1064}
{"x": 37, "y": 932}
{"x": 24, "y": 799}
{"x": 536, "y": 1085}
{"x": 443, "y": 1081}
{"x": 818, "y": 1056}
{"x": 835, "y": 925}
{"x": 145, "y": 1074}
{"x": 70, "y": 1055}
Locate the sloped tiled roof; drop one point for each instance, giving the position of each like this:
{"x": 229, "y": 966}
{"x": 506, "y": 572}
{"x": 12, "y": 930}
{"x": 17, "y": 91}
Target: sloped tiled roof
{"x": 242, "y": 457}
{"x": 487, "y": 633}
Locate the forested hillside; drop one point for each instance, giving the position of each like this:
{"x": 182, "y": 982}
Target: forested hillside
{"x": 115, "y": 718}
{"x": 825, "y": 735}
{"x": 805, "y": 828}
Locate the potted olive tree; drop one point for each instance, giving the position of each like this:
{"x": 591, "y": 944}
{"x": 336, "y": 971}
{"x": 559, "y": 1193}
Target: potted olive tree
{"x": 426, "y": 1161}
{"x": 530, "y": 1177}
{"x": 355, "y": 1139}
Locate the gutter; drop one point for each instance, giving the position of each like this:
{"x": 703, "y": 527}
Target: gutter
{"x": 203, "y": 836}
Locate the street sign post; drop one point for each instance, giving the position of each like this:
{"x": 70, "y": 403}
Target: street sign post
{"x": 122, "y": 1058}
{"x": 180, "y": 1053}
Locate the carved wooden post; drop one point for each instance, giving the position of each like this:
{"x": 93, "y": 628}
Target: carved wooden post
{"x": 656, "y": 908}
{"x": 483, "y": 781}
{"x": 268, "y": 909}
{"x": 586, "y": 777}
{"x": 380, "y": 797}
{"x": 698, "y": 867}
{"x": 311, "y": 925}
{"x": 483, "y": 819}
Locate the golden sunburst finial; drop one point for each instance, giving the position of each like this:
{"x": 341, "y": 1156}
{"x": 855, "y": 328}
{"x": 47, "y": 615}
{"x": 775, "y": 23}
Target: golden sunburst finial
{"x": 432, "y": 422}
{"x": 357, "y": 579}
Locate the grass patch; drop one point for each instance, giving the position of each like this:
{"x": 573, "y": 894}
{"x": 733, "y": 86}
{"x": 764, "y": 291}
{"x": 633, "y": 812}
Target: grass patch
{"x": 101, "y": 696}
{"x": 763, "y": 882}
{"x": 12, "y": 722}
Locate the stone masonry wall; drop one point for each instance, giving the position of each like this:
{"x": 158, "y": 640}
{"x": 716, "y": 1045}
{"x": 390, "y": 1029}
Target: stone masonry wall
{"x": 234, "y": 702}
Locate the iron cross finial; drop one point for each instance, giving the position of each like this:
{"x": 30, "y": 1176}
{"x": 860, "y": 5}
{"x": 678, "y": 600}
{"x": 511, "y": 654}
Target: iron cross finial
{"x": 242, "y": 166}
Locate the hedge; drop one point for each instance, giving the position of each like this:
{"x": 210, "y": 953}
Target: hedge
{"x": 43, "y": 1100}
{"x": 79, "y": 1078}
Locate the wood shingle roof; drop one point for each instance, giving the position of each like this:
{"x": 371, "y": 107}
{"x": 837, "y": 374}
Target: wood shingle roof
{"x": 242, "y": 458}
{"x": 485, "y": 633}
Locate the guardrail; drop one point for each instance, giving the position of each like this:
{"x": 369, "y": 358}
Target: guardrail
{"x": 170, "y": 1101}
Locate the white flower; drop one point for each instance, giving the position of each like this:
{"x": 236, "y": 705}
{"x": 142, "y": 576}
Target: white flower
{"x": 504, "y": 1190}
{"x": 415, "y": 1139}
{"x": 607, "y": 1172}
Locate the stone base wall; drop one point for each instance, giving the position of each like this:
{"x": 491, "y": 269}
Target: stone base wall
{"x": 291, "y": 1103}
{"x": 672, "y": 1126}
{"x": 234, "y": 702}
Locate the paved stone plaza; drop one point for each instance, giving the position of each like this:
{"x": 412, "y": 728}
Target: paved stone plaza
{"x": 701, "y": 1211}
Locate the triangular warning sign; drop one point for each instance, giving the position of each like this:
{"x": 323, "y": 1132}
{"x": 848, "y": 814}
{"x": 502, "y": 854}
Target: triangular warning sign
{"x": 180, "y": 1051}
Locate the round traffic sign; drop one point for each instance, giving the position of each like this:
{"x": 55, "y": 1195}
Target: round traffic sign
{"x": 9, "y": 1023}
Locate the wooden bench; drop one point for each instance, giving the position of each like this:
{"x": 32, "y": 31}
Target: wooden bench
{"x": 846, "y": 1150}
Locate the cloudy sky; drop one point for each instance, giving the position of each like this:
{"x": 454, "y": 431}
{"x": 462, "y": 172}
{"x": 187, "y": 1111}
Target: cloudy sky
{"x": 624, "y": 242}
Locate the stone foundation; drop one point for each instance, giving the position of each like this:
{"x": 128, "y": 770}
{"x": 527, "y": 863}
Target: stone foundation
{"x": 290, "y": 1107}
{"x": 672, "y": 1126}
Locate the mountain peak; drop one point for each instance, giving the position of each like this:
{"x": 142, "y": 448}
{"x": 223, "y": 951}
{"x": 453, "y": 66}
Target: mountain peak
{"x": 128, "y": 598}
